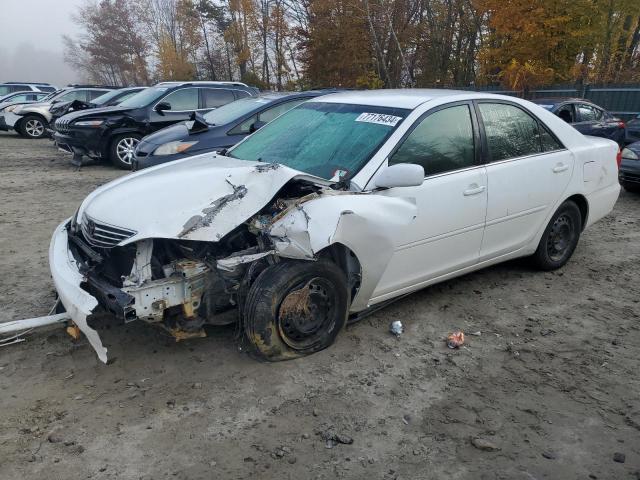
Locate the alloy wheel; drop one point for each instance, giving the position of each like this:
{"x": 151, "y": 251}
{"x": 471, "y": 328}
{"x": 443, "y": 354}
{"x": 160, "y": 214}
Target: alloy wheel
{"x": 125, "y": 149}
{"x": 34, "y": 128}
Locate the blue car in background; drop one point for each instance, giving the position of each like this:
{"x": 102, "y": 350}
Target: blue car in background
{"x": 633, "y": 130}
{"x": 629, "y": 171}
{"x": 219, "y": 129}
{"x": 586, "y": 117}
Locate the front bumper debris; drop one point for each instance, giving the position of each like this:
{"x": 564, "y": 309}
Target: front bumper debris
{"x": 67, "y": 280}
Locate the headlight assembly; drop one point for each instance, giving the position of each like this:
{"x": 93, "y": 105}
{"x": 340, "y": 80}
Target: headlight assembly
{"x": 172, "y": 148}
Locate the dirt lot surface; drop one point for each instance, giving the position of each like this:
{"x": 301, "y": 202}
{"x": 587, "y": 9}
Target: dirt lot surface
{"x": 550, "y": 387}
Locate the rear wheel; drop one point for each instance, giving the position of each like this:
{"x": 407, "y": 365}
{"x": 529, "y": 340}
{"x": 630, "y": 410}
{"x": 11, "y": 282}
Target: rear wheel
{"x": 295, "y": 308}
{"x": 560, "y": 238}
{"x": 122, "y": 149}
{"x": 32, "y": 126}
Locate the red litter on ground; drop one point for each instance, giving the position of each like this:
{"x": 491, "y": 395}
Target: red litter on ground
{"x": 455, "y": 339}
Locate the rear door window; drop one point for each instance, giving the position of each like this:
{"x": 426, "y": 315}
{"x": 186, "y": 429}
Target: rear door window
{"x": 216, "y": 97}
{"x": 510, "y": 131}
{"x": 442, "y": 142}
{"x": 185, "y": 99}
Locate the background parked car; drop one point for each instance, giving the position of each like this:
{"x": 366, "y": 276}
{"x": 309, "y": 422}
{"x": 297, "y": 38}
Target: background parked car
{"x": 112, "y": 133}
{"x": 109, "y": 99}
{"x": 12, "y": 87}
{"x": 218, "y": 129}
{"x": 633, "y": 130}
{"x": 35, "y": 117}
{"x": 21, "y": 97}
{"x": 586, "y": 117}
{"x": 629, "y": 171}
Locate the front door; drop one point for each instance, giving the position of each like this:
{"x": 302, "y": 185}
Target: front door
{"x": 452, "y": 202}
{"x": 528, "y": 171}
{"x": 183, "y": 103}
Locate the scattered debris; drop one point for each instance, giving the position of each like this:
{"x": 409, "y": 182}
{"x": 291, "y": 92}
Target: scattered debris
{"x": 619, "y": 457}
{"x": 484, "y": 444}
{"x": 396, "y": 328}
{"x": 332, "y": 438}
{"x": 549, "y": 455}
{"x": 455, "y": 339}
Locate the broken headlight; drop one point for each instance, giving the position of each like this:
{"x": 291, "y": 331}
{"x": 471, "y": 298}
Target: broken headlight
{"x": 172, "y": 148}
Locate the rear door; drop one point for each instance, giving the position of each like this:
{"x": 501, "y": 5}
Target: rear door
{"x": 528, "y": 171}
{"x": 212, "y": 98}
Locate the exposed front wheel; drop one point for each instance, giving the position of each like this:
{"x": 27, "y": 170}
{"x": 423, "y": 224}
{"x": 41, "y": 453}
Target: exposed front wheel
{"x": 32, "y": 127}
{"x": 295, "y": 308}
{"x": 122, "y": 149}
{"x": 560, "y": 238}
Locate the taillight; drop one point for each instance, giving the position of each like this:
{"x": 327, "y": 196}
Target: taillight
{"x": 619, "y": 157}
{"x": 621, "y": 124}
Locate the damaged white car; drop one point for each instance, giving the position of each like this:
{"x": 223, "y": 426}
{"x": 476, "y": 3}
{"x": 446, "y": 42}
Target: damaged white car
{"x": 333, "y": 209}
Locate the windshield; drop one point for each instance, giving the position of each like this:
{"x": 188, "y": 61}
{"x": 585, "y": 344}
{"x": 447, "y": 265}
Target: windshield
{"x": 144, "y": 98}
{"x": 105, "y": 97}
{"x": 329, "y": 140}
{"x": 4, "y": 90}
{"x": 234, "y": 110}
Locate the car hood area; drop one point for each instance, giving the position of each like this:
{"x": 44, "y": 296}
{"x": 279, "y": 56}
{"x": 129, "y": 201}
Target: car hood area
{"x": 199, "y": 198}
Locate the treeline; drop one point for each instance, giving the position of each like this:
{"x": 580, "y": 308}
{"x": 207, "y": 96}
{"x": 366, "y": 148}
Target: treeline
{"x": 293, "y": 44}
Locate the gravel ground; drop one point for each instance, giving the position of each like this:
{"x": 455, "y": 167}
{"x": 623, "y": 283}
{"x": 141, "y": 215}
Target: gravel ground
{"x": 549, "y": 389}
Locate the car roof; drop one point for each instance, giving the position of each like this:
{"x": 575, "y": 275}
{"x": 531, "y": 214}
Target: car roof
{"x": 203, "y": 83}
{"x": 558, "y": 100}
{"x": 401, "y": 98}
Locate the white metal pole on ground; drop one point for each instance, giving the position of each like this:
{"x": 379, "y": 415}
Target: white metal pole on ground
{"x": 19, "y": 325}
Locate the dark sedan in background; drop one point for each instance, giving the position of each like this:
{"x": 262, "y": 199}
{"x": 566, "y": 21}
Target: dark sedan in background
{"x": 633, "y": 130}
{"x": 586, "y": 117}
{"x": 218, "y": 129}
{"x": 109, "y": 99}
{"x": 629, "y": 171}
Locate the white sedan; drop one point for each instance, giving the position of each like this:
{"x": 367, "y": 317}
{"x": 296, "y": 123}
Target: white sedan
{"x": 347, "y": 201}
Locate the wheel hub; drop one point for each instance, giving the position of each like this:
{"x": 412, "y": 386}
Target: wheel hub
{"x": 559, "y": 237}
{"x": 125, "y": 149}
{"x": 305, "y": 314}
{"x": 34, "y": 128}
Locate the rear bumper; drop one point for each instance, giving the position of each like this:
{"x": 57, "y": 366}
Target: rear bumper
{"x": 67, "y": 280}
{"x": 601, "y": 202}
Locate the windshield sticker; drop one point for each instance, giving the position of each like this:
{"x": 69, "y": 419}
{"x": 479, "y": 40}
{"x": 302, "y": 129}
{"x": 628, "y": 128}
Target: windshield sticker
{"x": 379, "y": 118}
{"x": 339, "y": 175}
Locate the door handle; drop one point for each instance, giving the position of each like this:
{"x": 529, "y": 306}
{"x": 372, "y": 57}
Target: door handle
{"x": 561, "y": 167}
{"x": 473, "y": 190}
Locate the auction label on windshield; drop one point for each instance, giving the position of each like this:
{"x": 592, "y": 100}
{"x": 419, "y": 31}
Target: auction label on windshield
{"x": 379, "y": 118}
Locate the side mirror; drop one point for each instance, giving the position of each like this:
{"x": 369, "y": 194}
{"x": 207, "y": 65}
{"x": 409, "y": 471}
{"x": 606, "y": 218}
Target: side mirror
{"x": 401, "y": 175}
{"x": 161, "y": 107}
{"x": 256, "y": 126}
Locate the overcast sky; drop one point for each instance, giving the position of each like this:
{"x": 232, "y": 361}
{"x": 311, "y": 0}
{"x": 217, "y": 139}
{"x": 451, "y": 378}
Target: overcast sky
{"x": 31, "y": 40}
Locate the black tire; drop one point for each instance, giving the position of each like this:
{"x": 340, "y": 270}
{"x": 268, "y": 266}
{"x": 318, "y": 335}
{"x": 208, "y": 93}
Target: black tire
{"x": 33, "y": 126}
{"x": 631, "y": 187}
{"x": 560, "y": 238}
{"x": 121, "y": 149}
{"x": 295, "y": 308}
